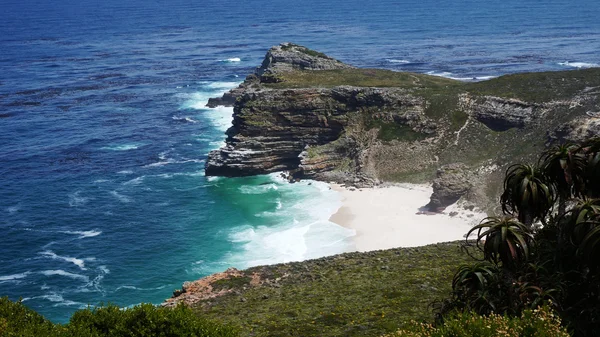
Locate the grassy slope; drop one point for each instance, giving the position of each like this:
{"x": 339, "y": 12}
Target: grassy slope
{"x": 354, "y": 294}
{"x": 531, "y": 87}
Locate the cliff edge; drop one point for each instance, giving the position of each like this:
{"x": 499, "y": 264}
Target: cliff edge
{"x": 316, "y": 117}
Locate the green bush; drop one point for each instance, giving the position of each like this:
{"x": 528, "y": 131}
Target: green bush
{"x": 541, "y": 322}
{"x": 110, "y": 320}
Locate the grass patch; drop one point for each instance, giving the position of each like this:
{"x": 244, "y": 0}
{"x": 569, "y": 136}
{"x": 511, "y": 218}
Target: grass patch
{"x": 353, "y": 294}
{"x": 538, "y": 87}
{"x": 360, "y": 78}
{"x": 231, "y": 283}
{"x": 389, "y": 131}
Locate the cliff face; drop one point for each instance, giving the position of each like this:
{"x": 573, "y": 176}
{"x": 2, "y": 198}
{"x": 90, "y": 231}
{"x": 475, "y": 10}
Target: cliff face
{"x": 311, "y": 115}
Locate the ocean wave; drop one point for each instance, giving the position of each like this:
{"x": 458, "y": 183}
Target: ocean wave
{"x": 13, "y": 209}
{"x": 258, "y": 189}
{"x": 84, "y": 234}
{"x": 58, "y": 299}
{"x": 231, "y": 60}
{"x": 184, "y": 119}
{"x": 301, "y": 230}
{"x": 60, "y": 272}
{"x": 122, "y": 147}
{"x": 135, "y": 181}
{"x": 78, "y": 262}
{"x": 14, "y": 277}
{"x": 76, "y": 200}
{"x": 398, "y": 61}
{"x": 464, "y": 79}
{"x": 122, "y": 198}
{"x": 128, "y": 287}
{"x": 579, "y": 65}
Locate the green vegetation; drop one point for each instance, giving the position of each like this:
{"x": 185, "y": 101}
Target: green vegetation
{"x": 541, "y": 322}
{"x": 524, "y": 264}
{"x": 539, "y": 87}
{"x": 393, "y": 131}
{"x": 360, "y": 78}
{"x": 353, "y": 294}
{"x": 142, "y": 320}
{"x": 304, "y": 50}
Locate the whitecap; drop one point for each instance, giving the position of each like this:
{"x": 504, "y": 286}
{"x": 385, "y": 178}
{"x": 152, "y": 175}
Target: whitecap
{"x": 464, "y": 79}
{"x": 184, "y": 119}
{"x": 301, "y": 230}
{"x": 579, "y": 65}
{"x": 12, "y": 209}
{"x": 231, "y": 60}
{"x": 398, "y": 61}
{"x": 59, "y": 300}
{"x": 78, "y": 262}
{"x": 61, "y": 272}
{"x": 125, "y": 172}
{"x": 84, "y": 234}
{"x": 122, "y": 198}
{"x": 14, "y": 277}
{"x": 122, "y": 147}
{"x": 135, "y": 181}
{"x": 76, "y": 200}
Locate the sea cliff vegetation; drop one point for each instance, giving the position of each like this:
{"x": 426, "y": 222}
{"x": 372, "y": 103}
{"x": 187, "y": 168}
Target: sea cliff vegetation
{"x": 531, "y": 273}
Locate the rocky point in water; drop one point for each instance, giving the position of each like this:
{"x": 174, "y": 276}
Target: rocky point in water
{"x": 316, "y": 117}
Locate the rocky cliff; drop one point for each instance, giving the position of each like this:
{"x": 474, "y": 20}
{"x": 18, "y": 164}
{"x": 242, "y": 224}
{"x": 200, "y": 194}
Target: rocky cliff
{"x": 306, "y": 113}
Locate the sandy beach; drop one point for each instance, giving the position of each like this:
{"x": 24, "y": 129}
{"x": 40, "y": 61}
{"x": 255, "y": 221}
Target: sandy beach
{"x": 388, "y": 217}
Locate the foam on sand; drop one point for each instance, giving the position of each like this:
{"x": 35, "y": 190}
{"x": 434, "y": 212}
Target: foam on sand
{"x": 389, "y": 217}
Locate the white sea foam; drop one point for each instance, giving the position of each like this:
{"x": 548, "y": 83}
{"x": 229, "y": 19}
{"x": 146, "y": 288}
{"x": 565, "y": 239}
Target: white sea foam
{"x": 78, "y": 262}
{"x": 61, "y": 272}
{"x": 58, "y": 299}
{"x": 76, "y": 200}
{"x": 579, "y": 64}
{"x": 121, "y": 147}
{"x": 13, "y": 209}
{"x": 14, "y": 277}
{"x": 464, "y": 79}
{"x": 84, "y": 234}
{"x": 232, "y": 59}
{"x": 300, "y": 230}
{"x": 185, "y": 119}
{"x": 125, "y": 172}
{"x": 122, "y": 198}
{"x": 398, "y": 61}
{"x": 135, "y": 181}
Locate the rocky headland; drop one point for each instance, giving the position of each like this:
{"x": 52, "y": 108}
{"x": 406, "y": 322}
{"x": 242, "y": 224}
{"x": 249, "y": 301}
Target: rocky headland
{"x": 312, "y": 116}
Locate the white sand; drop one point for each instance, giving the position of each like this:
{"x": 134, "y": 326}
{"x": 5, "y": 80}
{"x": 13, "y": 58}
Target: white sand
{"x": 386, "y": 217}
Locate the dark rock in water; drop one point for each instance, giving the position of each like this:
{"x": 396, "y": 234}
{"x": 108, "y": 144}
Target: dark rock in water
{"x": 452, "y": 182}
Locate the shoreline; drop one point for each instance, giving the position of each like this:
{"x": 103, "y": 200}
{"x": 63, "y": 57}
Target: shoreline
{"x": 389, "y": 217}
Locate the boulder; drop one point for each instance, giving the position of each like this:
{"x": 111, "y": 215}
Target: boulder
{"x": 452, "y": 182}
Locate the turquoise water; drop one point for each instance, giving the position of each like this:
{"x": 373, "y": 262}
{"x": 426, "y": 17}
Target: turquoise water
{"x": 103, "y": 130}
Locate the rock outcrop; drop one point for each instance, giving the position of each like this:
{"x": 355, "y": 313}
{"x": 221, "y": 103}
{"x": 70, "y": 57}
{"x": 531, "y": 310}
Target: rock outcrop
{"x": 272, "y": 128}
{"x": 501, "y": 114}
{"x": 452, "y": 182}
{"x": 579, "y": 129}
{"x": 297, "y": 113}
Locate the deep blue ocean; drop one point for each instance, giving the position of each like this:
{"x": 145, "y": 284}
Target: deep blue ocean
{"x": 104, "y": 133}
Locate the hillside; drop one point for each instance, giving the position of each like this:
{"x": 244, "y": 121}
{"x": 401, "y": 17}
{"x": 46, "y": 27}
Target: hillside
{"x": 352, "y": 294}
{"x": 315, "y": 117}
